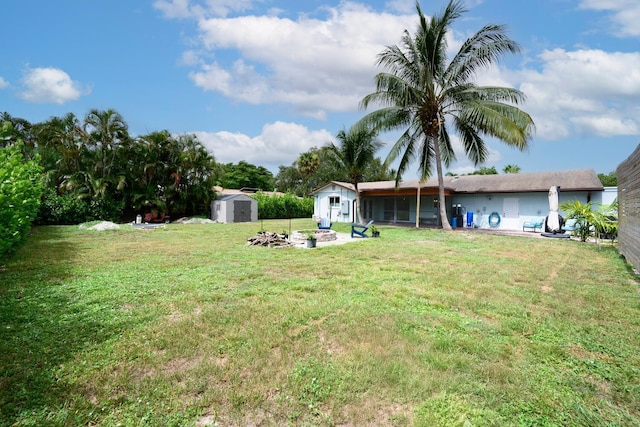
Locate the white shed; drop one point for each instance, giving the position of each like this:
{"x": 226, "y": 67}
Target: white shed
{"x": 234, "y": 208}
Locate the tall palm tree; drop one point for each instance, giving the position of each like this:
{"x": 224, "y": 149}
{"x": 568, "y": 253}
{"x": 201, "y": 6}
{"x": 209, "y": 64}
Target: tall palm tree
{"x": 419, "y": 92}
{"x": 356, "y": 151}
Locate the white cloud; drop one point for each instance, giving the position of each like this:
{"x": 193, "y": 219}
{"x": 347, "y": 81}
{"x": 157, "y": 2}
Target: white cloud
{"x": 278, "y": 144}
{"x": 3, "y": 83}
{"x": 193, "y": 9}
{"x": 625, "y": 15}
{"x": 316, "y": 65}
{"x": 50, "y": 85}
{"x": 583, "y": 92}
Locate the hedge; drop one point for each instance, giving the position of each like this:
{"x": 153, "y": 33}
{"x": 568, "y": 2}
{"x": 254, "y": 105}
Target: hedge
{"x": 285, "y": 206}
{"x": 20, "y": 192}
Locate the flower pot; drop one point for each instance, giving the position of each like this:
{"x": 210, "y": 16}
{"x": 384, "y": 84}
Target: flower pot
{"x": 375, "y": 234}
{"x": 311, "y": 243}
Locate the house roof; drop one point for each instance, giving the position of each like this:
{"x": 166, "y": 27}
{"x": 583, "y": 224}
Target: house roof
{"x": 570, "y": 180}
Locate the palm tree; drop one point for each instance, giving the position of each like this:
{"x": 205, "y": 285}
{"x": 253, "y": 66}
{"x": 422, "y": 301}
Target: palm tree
{"x": 356, "y": 151}
{"x": 511, "y": 169}
{"x": 420, "y": 92}
{"x": 108, "y": 131}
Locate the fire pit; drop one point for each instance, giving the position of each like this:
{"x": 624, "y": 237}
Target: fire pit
{"x": 300, "y": 236}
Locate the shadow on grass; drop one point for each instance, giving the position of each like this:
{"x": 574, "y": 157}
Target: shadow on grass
{"x": 44, "y": 323}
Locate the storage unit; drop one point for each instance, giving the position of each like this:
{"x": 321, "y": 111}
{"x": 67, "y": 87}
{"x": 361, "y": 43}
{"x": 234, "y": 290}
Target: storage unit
{"x": 234, "y": 208}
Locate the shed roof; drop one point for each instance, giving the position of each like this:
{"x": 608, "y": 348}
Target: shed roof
{"x": 226, "y": 197}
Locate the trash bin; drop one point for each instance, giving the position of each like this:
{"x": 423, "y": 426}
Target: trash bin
{"x": 470, "y": 219}
{"x": 454, "y": 222}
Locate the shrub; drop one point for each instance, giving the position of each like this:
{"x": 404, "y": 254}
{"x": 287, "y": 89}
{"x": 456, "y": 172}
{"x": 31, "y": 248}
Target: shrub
{"x": 67, "y": 209}
{"x": 285, "y": 206}
{"x": 20, "y": 192}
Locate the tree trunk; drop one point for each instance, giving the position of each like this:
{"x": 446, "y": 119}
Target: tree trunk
{"x": 358, "y": 208}
{"x": 442, "y": 202}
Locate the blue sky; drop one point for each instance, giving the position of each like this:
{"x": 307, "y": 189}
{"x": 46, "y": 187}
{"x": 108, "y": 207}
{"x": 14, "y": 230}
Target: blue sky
{"x": 264, "y": 80}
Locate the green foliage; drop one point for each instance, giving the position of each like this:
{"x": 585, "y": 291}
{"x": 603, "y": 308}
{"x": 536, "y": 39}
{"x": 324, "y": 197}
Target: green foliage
{"x": 67, "y": 209}
{"x": 485, "y": 171}
{"x": 592, "y": 219}
{"x": 608, "y": 180}
{"x": 246, "y": 175}
{"x": 285, "y": 206}
{"x": 511, "y": 169}
{"x": 20, "y": 192}
{"x": 425, "y": 93}
{"x": 304, "y": 174}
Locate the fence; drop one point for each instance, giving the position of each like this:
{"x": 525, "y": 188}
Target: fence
{"x": 628, "y": 173}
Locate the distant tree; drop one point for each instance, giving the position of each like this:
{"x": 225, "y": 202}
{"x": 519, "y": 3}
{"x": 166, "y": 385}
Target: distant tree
{"x": 511, "y": 169}
{"x": 355, "y": 152}
{"x": 308, "y": 163}
{"x": 609, "y": 180}
{"x": 421, "y": 90}
{"x": 485, "y": 171}
{"x": 289, "y": 180}
{"x": 378, "y": 171}
{"x": 246, "y": 175}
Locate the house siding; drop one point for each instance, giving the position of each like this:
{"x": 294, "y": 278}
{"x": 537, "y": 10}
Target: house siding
{"x": 341, "y": 213}
{"x": 481, "y": 195}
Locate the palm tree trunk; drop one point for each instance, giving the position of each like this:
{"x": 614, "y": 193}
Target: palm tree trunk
{"x": 443, "y": 206}
{"x": 358, "y": 208}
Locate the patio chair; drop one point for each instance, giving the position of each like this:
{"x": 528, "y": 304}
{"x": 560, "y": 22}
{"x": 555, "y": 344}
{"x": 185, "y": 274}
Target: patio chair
{"x": 533, "y": 224}
{"x": 325, "y": 224}
{"x": 360, "y": 230}
{"x": 570, "y": 225}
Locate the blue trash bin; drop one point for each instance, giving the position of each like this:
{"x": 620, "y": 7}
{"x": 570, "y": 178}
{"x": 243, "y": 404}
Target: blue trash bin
{"x": 454, "y": 222}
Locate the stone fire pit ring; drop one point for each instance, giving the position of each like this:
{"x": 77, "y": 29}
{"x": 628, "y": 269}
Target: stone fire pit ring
{"x": 300, "y": 236}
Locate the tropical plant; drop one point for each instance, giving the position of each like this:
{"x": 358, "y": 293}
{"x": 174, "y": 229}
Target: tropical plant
{"x": 592, "y": 218}
{"x": 511, "y": 169}
{"x": 355, "y": 152}
{"x": 419, "y": 92}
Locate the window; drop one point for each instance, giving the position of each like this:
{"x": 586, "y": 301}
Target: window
{"x": 334, "y": 202}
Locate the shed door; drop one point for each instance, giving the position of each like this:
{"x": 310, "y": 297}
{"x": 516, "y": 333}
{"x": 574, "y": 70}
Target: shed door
{"x": 241, "y": 211}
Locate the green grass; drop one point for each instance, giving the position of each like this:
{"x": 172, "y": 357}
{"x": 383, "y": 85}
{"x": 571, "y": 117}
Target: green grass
{"x": 187, "y": 325}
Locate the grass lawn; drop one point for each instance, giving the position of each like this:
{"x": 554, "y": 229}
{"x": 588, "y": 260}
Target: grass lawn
{"x": 187, "y": 325}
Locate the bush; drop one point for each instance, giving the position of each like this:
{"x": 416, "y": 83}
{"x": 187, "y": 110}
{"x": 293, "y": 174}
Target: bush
{"x": 20, "y": 192}
{"x": 67, "y": 209}
{"x": 285, "y": 206}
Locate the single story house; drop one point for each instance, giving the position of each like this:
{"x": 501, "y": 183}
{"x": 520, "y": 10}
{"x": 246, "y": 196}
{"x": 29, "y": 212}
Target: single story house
{"x": 234, "y": 208}
{"x": 504, "y": 201}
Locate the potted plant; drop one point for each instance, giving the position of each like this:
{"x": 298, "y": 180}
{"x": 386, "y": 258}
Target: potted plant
{"x": 374, "y": 231}
{"x": 311, "y": 240}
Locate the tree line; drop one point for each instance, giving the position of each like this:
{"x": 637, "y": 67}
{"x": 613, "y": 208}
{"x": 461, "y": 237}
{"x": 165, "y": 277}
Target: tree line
{"x": 92, "y": 168}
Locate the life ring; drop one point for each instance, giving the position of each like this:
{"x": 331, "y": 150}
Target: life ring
{"x": 494, "y": 220}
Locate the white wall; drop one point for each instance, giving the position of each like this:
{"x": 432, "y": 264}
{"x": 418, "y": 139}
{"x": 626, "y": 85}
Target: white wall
{"x": 322, "y": 209}
{"x": 530, "y": 206}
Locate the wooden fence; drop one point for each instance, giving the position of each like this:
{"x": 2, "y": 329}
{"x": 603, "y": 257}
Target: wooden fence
{"x": 629, "y": 208}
